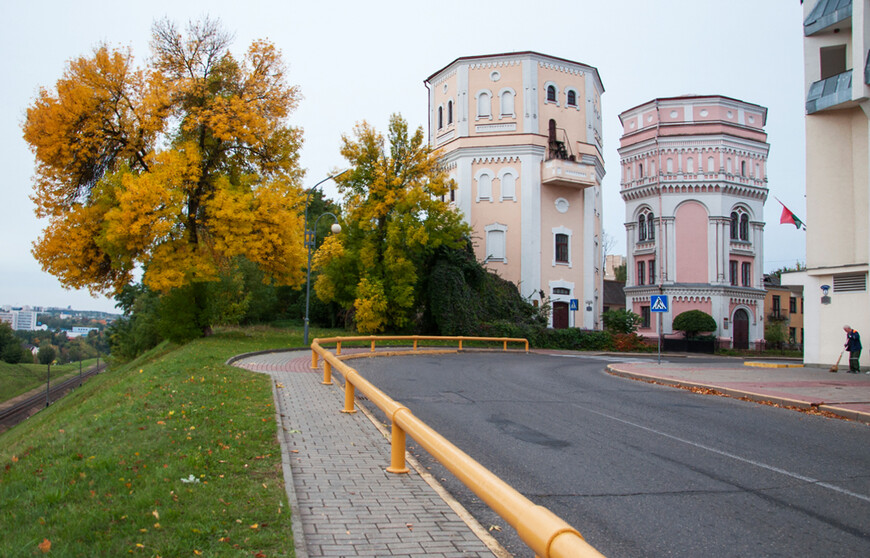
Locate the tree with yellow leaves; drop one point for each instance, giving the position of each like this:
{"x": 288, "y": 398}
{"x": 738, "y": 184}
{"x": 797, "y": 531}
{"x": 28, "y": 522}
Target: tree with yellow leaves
{"x": 176, "y": 168}
{"x": 395, "y": 221}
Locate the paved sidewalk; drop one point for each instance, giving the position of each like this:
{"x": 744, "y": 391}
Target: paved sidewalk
{"x": 843, "y": 394}
{"x": 343, "y": 501}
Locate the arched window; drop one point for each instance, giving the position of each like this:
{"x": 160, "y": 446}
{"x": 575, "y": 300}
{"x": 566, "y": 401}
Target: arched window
{"x": 484, "y": 186}
{"x": 650, "y": 225}
{"x": 440, "y": 117}
{"x": 484, "y": 105}
{"x": 711, "y": 164}
{"x": 640, "y": 170}
{"x": 572, "y": 98}
{"x": 496, "y": 249}
{"x": 508, "y": 184}
{"x": 670, "y": 164}
{"x": 742, "y": 168}
{"x": 641, "y": 227}
{"x": 690, "y": 165}
{"x": 734, "y": 224}
{"x": 551, "y": 93}
{"x": 507, "y": 103}
{"x": 449, "y": 112}
{"x": 744, "y": 227}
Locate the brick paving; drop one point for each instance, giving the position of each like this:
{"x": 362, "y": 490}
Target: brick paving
{"x": 344, "y": 502}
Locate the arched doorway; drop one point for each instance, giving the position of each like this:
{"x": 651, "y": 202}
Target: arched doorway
{"x": 741, "y": 329}
{"x": 560, "y": 315}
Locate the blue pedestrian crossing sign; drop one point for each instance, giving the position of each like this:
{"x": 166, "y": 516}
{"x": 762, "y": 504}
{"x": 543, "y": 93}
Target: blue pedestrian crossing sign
{"x": 574, "y": 304}
{"x": 659, "y": 303}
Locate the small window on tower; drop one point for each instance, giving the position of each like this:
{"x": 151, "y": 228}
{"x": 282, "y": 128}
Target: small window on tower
{"x": 572, "y": 98}
{"x": 551, "y": 93}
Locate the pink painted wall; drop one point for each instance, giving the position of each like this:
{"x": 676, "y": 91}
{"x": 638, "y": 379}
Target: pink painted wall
{"x": 691, "y": 238}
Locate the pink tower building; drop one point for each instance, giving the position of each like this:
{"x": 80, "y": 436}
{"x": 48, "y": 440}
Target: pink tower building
{"x": 694, "y": 181}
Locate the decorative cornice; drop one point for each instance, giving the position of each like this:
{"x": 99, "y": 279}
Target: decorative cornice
{"x": 494, "y": 160}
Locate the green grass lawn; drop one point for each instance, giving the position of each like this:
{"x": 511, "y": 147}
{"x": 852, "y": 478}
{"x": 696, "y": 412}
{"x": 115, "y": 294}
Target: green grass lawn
{"x": 174, "y": 454}
{"x": 16, "y": 379}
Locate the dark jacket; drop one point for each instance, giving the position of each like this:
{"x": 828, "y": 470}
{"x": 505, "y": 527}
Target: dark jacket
{"x": 853, "y": 341}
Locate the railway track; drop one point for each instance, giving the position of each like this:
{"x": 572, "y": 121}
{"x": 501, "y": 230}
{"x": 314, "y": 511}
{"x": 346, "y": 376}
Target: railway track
{"x": 17, "y": 413}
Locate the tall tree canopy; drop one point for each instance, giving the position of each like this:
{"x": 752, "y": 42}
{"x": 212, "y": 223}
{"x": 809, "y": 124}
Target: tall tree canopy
{"x": 394, "y": 222}
{"x": 177, "y": 167}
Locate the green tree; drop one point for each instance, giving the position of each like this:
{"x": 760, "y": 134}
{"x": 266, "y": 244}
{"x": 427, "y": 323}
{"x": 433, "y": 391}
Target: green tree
{"x": 776, "y": 330}
{"x": 176, "y": 168}
{"x": 621, "y": 321}
{"x": 10, "y": 345}
{"x": 619, "y": 272}
{"x": 46, "y": 354}
{"x": 394, "y": 222}
{"x": 694, "y": 322}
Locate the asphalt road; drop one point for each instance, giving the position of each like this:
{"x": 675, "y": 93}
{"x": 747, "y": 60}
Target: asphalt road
{"x": 640, "y": 469}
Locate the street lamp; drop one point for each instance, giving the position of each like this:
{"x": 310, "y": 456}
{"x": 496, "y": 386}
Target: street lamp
{"x": 310, "y": 241}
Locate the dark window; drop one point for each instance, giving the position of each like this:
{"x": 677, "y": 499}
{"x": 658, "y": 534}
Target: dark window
{"x": 744, "y": 227}
{"x": 449, "y": 112}
{"x": 453, "y": 194}
{"x": 733, "y": 272}
{"x": 734, "y": 222}
{"x": 561, "y": 291}
{"x": 746, "y": 274}
{"x": 802, "y": 311}
{"x": 652, "y": 272}
{"x": 641, "y": 269}
{"x": 640, "y": 170}
{"x": 562, "y": 248}
{"x": 791, "y": 335}
{"x": 440, "y": 117}
{"x": 645, "y": 317}
{"x": 792, "y": 305}
{"x": 777, "y": 309}
{"x": 832, "y": 60}
{"x": 572, "y": 99}
{"x": 641, "y": 227}
{"x": 651, "y": 230}
{"x": 742, "y": 168}
{"x": 551, "y": 93}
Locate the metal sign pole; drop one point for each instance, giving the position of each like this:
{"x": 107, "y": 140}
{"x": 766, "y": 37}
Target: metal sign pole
{"x": 660, "y": 337}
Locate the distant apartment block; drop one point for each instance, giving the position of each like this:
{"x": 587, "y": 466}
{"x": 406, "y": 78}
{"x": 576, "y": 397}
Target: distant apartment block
{"x": 611, "y": 262}
{"x": 20, "y": 319}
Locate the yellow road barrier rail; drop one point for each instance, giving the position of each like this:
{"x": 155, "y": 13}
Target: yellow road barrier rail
{"x": 547, "y": 534}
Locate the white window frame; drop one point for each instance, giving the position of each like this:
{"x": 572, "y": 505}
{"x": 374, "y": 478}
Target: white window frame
{"x": 477, "y": 97}
{"x": 501, "y": 107}
{"x": 546, "y": 87}
{"x": 490, "y": 242}
{"x": 481, "y": 173}
{"x": 501, "y": 174}
{"x": 567, "y": 232}
{"x": 576, "y": 104}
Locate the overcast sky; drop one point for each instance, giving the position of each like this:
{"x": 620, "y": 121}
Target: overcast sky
{"x": 366, "y": 60}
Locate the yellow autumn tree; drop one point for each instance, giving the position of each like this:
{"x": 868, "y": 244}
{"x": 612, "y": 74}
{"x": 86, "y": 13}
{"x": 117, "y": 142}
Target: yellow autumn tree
{"x": 396, "y": 218}
{"x": 177, "y": 167}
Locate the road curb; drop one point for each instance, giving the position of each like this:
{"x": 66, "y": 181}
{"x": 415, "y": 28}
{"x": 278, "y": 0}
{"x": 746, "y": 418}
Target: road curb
{"x": 745, "y": 395}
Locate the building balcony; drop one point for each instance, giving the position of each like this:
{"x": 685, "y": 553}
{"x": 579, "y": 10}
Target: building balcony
{"x": 564, "y": 172}
{"x": 827, "y": 13}
{"x": 830, "y": 93}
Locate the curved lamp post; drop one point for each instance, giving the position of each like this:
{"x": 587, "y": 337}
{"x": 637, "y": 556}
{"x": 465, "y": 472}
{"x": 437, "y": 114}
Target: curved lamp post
{"x": 311, "y": 240}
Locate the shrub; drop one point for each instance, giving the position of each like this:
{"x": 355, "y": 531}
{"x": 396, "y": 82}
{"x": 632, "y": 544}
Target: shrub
{"x": 621, "y": 321}
{"x": 693, "y": 322}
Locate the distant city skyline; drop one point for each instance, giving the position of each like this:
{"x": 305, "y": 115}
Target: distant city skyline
{"x": 354, "y": 63}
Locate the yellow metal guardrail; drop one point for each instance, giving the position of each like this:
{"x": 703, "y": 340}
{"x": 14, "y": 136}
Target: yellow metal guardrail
{"x": 547, "y": 534}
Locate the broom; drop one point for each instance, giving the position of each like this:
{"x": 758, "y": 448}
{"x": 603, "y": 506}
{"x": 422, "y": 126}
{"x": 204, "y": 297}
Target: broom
{"x": 834, "y": 367}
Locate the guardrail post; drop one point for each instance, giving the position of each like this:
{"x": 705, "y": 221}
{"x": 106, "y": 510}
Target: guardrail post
{"x": 348, "y": 397}
{"x": 460, "y": 344}
{"x": 397, "y": 451}
{"x": 373, "y": 345}
{"x": 415, "y": 344}
{"x": 313, "y": 359}
{"x": 505, "y": 346}
{"x": 327, "y": 373}
{"x": 338, "y": 348}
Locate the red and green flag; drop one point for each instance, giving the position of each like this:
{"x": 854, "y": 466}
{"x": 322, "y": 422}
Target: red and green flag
{"x": 789, "y": 218}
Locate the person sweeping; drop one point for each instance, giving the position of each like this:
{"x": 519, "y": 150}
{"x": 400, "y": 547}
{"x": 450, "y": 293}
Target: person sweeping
{"x": 853, "y": 345}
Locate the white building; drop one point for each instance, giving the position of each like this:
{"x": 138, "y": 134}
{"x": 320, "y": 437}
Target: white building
{"x": 836, "y": 44}
{"x": 20, "y": 319}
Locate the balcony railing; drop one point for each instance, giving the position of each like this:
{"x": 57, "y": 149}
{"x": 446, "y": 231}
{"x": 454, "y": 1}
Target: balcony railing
{"x": 564, "y": 172}
{"x": 825, "y": 14}
{"x": 828, "y": 93}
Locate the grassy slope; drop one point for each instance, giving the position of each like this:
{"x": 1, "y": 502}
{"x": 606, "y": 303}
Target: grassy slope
{"x": 16, "y": 379}
{"x": 99, "y": 472}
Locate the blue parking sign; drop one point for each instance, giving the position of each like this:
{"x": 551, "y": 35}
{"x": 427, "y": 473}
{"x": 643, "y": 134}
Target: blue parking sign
{"x": 659, "y": 303}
